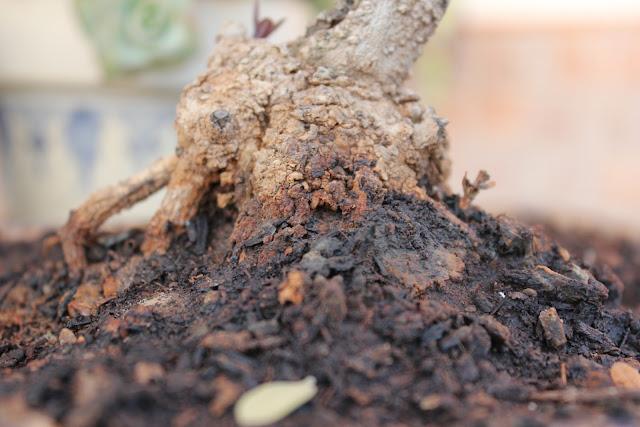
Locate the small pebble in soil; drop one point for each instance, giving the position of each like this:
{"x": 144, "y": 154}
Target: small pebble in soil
{"x": 67, "y": 337}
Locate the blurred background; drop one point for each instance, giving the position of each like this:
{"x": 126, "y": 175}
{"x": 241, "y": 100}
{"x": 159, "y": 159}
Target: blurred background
{"x": 543, "y": 94}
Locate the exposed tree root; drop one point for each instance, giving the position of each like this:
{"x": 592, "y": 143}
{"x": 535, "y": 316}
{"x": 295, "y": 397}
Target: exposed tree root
{"x": 103, "y": 204}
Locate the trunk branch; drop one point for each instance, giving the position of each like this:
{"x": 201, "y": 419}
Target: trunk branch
{"x": 377, "y": 38}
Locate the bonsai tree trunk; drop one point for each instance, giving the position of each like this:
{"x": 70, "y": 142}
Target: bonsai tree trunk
{"x": 307, "y": 231}
{"x": 280, "y": 131}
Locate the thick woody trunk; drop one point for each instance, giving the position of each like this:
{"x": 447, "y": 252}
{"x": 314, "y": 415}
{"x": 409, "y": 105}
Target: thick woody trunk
{"x": 257, "y": 123}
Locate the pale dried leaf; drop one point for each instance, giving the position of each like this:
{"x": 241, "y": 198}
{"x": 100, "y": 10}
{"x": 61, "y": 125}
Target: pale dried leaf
{"x": 271, "y": 402}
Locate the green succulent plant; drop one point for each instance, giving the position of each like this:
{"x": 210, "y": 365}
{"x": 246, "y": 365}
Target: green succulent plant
{"x": 131, "y": 35}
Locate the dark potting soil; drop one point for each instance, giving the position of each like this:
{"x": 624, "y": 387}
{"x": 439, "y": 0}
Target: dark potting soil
{"x": 605, "y": 253}
{"x": 417, "y": 313}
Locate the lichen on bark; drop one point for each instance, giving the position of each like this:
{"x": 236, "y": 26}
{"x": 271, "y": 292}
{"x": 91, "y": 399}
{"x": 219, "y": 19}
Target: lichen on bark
{"x": 282, "y": 130}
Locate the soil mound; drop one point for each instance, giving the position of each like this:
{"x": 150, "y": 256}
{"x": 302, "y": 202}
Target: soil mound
{"x": 419, "y": 312}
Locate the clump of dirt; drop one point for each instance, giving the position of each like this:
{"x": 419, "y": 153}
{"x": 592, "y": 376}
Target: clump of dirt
{"x": 603, "y": 254}
{"x": 419, "y": 312}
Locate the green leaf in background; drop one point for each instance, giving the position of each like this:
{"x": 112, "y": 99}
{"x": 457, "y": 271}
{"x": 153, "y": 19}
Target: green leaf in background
{"x": 323, "y": 4}
{"x": 131, "y": 35}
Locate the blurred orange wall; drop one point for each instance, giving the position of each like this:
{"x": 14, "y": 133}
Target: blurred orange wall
{"x": 546, "y": 97}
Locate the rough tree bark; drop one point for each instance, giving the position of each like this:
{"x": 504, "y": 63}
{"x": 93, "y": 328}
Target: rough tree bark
{"x": 283, "y": 130}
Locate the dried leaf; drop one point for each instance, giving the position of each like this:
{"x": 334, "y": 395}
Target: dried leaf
{"x": 472, "y": 189}
{"x": 271, "y": 402}
{"x": 625, "y": 376}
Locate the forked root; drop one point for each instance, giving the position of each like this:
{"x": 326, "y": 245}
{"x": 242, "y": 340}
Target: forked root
{"x": 185, "y": 189}
{"x": 103, "y": 204}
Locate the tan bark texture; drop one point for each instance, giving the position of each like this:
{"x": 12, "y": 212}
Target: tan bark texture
{"x": 281, "y": 130}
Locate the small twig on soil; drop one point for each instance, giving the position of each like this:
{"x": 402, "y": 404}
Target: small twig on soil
{"x": 575, "y": 395}
{"x": 624, "y": 339}
{"x": 563, "y": 374}
{"x": 498, "y": 307}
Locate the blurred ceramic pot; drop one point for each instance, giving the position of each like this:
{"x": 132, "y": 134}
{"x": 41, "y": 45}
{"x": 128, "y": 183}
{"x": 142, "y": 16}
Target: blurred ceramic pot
{"x": 66, "y": 129}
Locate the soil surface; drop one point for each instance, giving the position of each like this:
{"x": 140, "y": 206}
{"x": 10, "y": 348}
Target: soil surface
{"x": 416, "y": 313}
{"x": 604, "y": 253}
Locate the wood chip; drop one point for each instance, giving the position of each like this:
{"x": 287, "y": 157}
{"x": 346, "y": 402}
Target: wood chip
{"x": 553, "y": 327}
{"x": 146, "y": 372}
{"x": 271, "y": 402}
{"x": 67, "y": 337}
{"x": 435, "y": 401}
{"x": 110, "y": 287}
{"x": 472, "y": 189}
{"x": 625, "y": 376}
{"x": 564, "y": 254}
{"x": 226, "y": 340}
{"x": 292, "y": 288}
{"x": 86, "y": 300}
{"x": 497, "y": 330}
